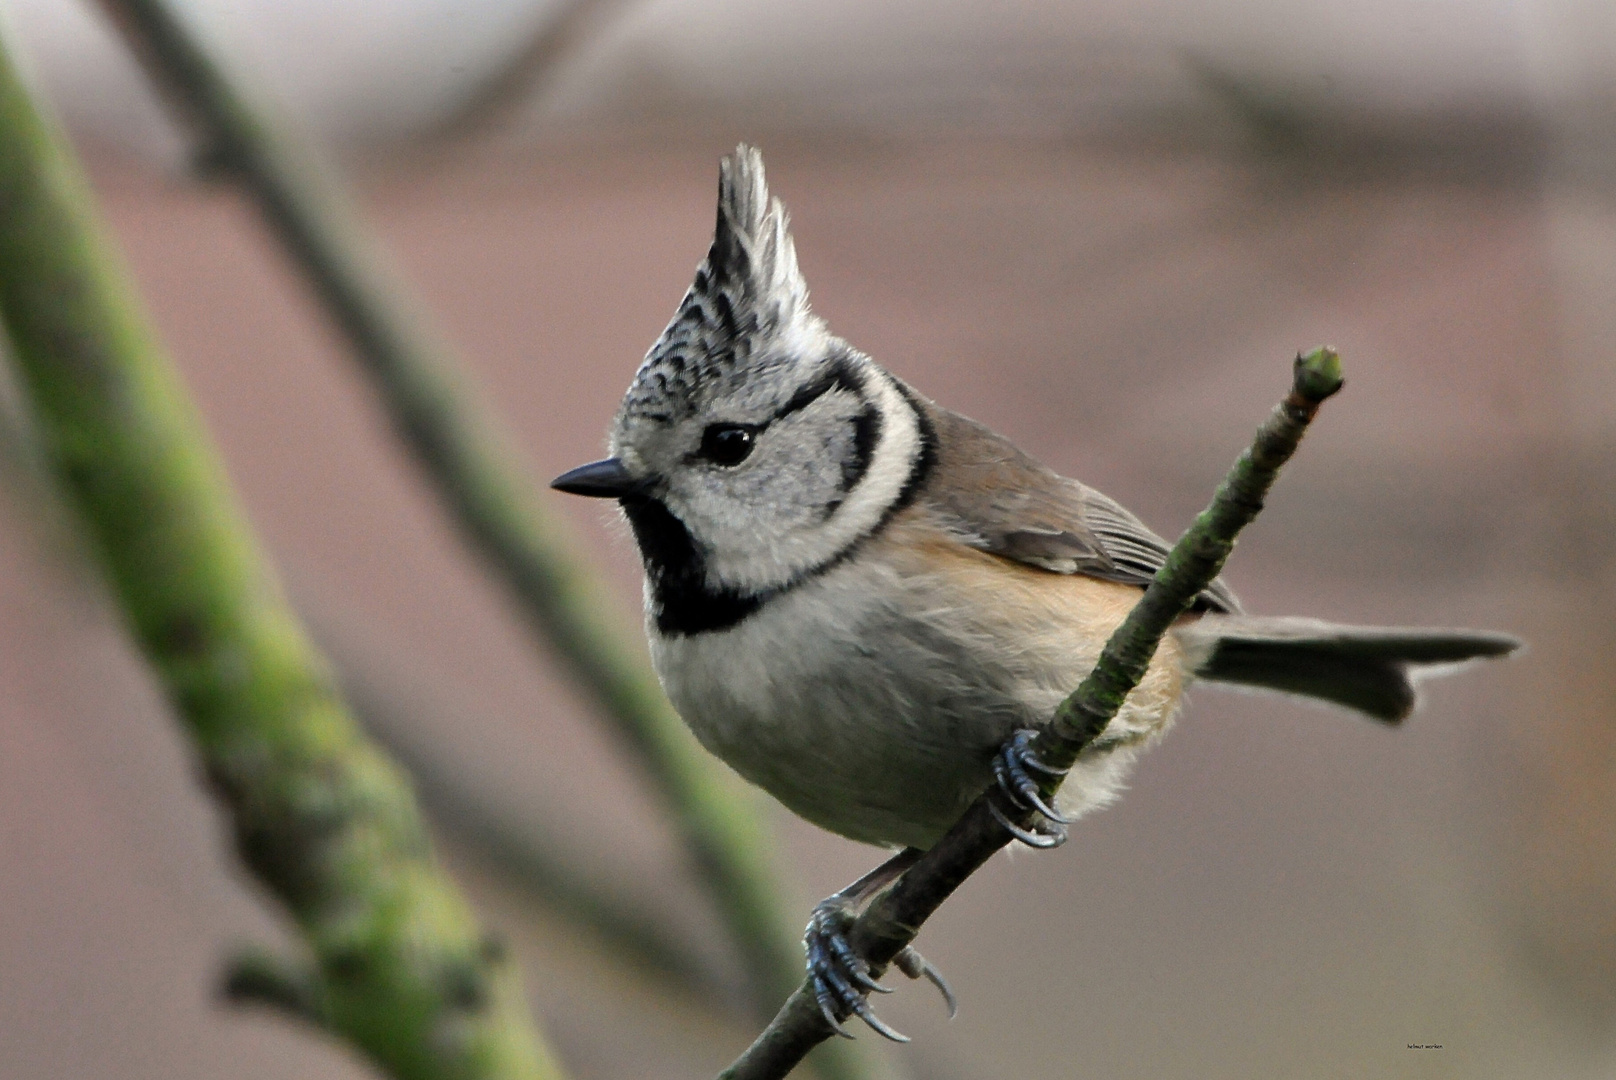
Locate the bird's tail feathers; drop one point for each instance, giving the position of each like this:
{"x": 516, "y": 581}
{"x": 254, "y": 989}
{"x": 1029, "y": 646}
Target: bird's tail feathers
{"x": 1366, "y": 668}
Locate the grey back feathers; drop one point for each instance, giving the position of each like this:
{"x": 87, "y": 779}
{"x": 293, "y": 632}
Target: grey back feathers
{"x": 998, "y": 499}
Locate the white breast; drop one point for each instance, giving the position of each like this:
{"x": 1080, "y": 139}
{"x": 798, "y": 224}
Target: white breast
{"x": 871, "y": 699}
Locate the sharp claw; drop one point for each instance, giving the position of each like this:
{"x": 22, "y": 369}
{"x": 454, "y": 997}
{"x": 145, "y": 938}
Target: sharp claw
{"x": 1010, "y": 767}
{"x": 836, "y": 968}
{"x": 935, "y": 977}
{"x": 839, "y": 978}
{"x": 864, "y": 980}
{"x": 1023, "y": 747}
{"x": 870, "y": 984}
{"x": 1031, "y": 794}
{"x": 912, "y": 964}
{"x": 867, "y": 1014}
{"x": 855, "y": 966}
{"x": 823, "y": 996}
{"x": 1026, "y": 836}
{"x": 1029, "y": 759}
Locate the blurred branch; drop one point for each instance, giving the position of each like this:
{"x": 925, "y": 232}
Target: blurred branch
{"x": 894, "y": 919}
{"x": 1316, "y": 134}
{"x": 395, "y": 963}
{"x": 455, "y": 441}
{"x": 1281, "y": 121}
{"x": 499, "y": 93}
{"x": 518, "y": 849}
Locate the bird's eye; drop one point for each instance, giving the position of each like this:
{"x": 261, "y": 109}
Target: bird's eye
{"x": 727, "y": 444}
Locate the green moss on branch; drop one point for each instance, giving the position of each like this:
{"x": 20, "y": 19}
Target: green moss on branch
{"x": 396, "y": 962}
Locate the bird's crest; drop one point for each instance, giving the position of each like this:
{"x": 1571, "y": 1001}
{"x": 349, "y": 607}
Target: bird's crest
{"x": 748, "y": 294}
{"x": 753, "y": 259}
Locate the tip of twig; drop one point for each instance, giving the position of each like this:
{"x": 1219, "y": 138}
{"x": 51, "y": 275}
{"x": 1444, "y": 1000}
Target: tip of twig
{"x": 1318, "y": 373}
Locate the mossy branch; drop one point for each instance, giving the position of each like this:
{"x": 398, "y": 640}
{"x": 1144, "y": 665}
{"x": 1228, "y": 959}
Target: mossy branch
{"x": 458, "y": 445}
{"x": 396, "y": 962}
{"x": 894, "y": 919}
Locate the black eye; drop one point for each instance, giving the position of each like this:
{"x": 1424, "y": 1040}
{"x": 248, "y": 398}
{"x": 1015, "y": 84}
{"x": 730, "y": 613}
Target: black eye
{"x": 727, "y": 444}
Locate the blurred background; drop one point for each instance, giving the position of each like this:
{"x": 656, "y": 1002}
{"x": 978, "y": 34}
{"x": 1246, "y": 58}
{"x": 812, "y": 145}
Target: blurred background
{"x": 1102, "y": 229}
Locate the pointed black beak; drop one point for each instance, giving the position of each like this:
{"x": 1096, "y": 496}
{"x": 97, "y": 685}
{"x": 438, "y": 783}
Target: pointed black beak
{"x": 598, "y": 480}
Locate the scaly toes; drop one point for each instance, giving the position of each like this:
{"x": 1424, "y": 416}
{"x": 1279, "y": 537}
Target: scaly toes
{"x": 1013, "y": 766}
{"x": 840, "y": 978}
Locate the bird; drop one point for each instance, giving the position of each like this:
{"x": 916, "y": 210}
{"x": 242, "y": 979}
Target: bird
{"x": 866, "y": 604}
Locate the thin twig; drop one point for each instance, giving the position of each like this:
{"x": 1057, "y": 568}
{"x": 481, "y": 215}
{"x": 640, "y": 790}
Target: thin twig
{"x": 894, "y": 918}
{"x": 394, "y": 960}
{"x": 464, "y": 453}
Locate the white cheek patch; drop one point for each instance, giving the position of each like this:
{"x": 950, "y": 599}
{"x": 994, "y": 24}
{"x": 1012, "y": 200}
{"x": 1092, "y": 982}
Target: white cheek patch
{"x": 801, "y": 551}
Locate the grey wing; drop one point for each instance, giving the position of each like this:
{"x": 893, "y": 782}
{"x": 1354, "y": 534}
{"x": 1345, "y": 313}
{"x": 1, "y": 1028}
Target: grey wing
{"x": 997, "y": 499}
{"x": 1137, "y": 551}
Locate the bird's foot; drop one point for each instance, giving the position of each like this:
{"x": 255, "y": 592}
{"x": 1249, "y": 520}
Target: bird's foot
{"x": 1013, "y": 767}
{"x": 842, "y": 980}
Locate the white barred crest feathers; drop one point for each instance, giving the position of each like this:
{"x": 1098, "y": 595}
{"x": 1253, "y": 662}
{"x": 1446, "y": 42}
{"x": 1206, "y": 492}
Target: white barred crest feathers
{"x": 748, "y": 295}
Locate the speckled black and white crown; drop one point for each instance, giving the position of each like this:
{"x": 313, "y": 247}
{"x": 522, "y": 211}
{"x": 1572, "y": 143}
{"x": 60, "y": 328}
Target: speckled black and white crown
{"x": 747, "y": 309}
